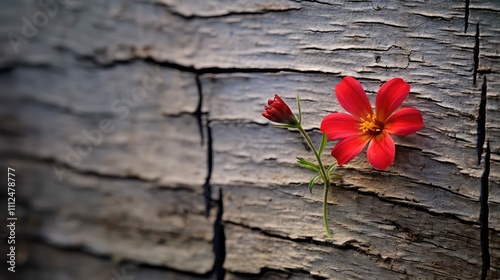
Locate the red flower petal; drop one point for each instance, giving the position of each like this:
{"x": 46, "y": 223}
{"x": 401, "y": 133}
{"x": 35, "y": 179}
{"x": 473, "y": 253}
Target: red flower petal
{"x": 348, "y": 148}
{"x": 352, "y": 97}
{"x": 405, "y": 121}
{"x": 340, "y": 125}
{"x": 280, "y": 106}
{"x": 390, "y": 96}
{"x": 278, "y": 111}
{"x": 381, "y": 151}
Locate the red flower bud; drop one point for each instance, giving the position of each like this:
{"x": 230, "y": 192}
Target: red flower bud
{"x": 278, "y": 111}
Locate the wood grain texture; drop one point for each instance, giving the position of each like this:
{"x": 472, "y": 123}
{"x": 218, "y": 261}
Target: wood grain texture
{"x": 125, "y": 218}
{"x": 139, "y": 194}
{"x": 61, "y": 115}
{"x": 47, "y": 263}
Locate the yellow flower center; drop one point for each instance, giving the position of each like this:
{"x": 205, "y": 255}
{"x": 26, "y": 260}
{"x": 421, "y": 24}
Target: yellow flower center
{"x": 371, "y": 125}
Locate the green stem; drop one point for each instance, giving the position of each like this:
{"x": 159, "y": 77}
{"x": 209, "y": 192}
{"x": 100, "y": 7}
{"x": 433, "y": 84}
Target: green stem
{"x": 318, "y": 158}
{"x": 325, "y": 206}
{"x": 324, "y": 176}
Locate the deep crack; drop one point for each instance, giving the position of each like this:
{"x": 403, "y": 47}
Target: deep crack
{"x": 481, "y": 122}
{"x": 219, "y": 242}
{"x": 476, "y": 54}
{"x": 198, "y": 112}
{"x": 219, "y": 239}
{"x": 207, "y": 187}
{"x": 483, "y": 215}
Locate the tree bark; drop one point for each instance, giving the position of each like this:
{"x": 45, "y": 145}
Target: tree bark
{"x": 136, "y": 133}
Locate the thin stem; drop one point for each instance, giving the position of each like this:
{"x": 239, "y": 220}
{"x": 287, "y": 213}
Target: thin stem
{"x": 318, "y": 158}
{"x": 300, "y": 111}
{"x": 325, "y": 206}
{"x": 324, "y": 176}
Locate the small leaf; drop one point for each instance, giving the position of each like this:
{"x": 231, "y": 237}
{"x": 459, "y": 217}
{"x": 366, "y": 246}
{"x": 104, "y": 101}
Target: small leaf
{"x": 312, "y": 182}
{"x": 335, "y": 176}
{"x": 323, "y": 144}
{"x": 282, "y": 126}
{"x": 307, "y": 164}
{"x": 330, "y": 168}
{"x": 300, "y": 111}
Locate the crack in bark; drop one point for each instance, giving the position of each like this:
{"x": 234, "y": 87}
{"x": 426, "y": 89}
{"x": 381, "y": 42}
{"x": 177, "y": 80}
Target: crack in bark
{"x": 476, "y": 54}
{"x": 374, "y": 22}
{"x": 219, "y": 242}
{"x": 353, "y": 48}
{"x": 181, "y": 114}
{"x": 486, "y": 8}
{"x": 191, "y": 17}
{"x": 483, "y": 215}
{"x": 346, "y": 246}
{"x": 407, "y": 204}
{"x": 226, "y": 14}
{"x": 55, "y": 163}
{"x": 434, "y": 16}
{"x": 481, "y": 121}
{"x": 219, "y": 239}
{"x": 200, "y": 71}
{"x": 184, "y": 68}
{"x": 321, "y": 2}
{"x": 218, "y": 70}
{"x": 321, "y": 31}
{"x": 304, "y": 271}
{"x": 207, "y": 187}
{"x": 198, "y": 113}
{"x": 62, "y": 108}
{"x": 63, "y": 165}
{"x": 310, "y": 240}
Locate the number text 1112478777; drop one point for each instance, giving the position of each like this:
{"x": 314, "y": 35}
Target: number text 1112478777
{"x": 11, "y": 218}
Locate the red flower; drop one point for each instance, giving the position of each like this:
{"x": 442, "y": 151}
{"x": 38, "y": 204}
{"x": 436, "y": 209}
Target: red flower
{"x": 278, "y": 111}
{"x": 362, "y": 126}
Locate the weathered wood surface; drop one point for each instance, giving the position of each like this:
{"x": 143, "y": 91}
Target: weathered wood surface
{"x": 138, "y": 195}
{"x": 49, "y": 263}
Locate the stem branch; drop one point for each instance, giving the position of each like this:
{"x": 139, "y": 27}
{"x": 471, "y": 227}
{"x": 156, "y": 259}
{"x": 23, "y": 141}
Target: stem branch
{"x": 324, "y": 176}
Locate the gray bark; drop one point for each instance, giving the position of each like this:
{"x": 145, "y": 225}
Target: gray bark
{"x": 183, "y": 84}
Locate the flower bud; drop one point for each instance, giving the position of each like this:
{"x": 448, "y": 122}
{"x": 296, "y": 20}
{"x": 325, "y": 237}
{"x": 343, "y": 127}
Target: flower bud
{"x": 279, "y": 112}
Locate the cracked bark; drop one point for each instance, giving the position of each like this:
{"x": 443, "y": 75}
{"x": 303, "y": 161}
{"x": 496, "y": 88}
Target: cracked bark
{"x": 143, "y": 195}
{"x": 481, "y": 121}
{"x": 483, "y": 215}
